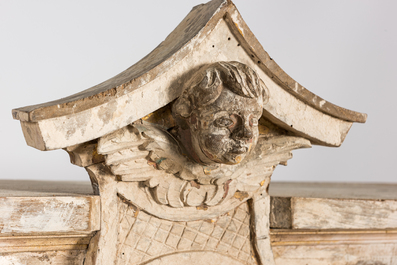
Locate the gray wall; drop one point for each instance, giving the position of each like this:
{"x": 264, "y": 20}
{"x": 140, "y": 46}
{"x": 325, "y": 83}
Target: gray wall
{"x": 343, "y": 51}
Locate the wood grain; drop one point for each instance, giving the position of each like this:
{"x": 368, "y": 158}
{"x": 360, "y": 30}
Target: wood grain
{"x": 318, "y": 213}
{"x": 24, "y": 215}
{"x": 365, "y": 254}
{"x": 293, "y": 237}
{"x": 66, "y": 257}
{"x": 335, "y": 190}
{"x": 333, "y": 205}
{"x": 36, "y": 188}
{"x": 31, "y": 243}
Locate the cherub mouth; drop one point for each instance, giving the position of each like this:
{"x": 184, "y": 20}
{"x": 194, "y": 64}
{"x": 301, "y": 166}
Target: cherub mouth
{"x": 239, "y": 150}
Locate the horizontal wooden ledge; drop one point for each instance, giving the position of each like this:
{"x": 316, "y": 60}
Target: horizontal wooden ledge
{"x": 319, "y": 206}
{"x": 49, "y": 215}
{"x": 292, "y": 237}
{"x": 29, "y": 243}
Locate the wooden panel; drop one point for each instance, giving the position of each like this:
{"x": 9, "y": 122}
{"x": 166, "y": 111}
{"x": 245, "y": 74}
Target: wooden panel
{"x": 68, "y": 257}
{"x": 280, "y": 212}
{"x": 334, "y": 247}
{"x": 11, "y": 244}
{"x": 23, "y": 215}
{"x": 292, "y": 237}
{"x": 35, "y": 188}
{"x": 367, "y": 254}
{"x": 386, "y": 191}
{"x": 333, "y": 205}
{"x": 312, "y": 213}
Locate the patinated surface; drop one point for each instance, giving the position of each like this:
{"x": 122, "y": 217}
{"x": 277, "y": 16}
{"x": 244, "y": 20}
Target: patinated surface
{"x": 64, "y": 257}
{"x": 214, "y": 154}
{"x": 46, "y": 222}
{"x": 290, "y": 246}
{"x": 210, "y": 33}
{"x": 180, "y": 175}
{"x": 218, "y": 113}
{"x": 181, "y": 146}
{"x": 333, "y": 205}
{"x": 143, "y": 237}
{"x": 198, "y": 22}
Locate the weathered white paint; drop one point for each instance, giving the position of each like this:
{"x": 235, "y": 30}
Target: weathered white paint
{"x": 69, "y": 257}
{"x": 364, "y": 254}
{"x": 302, "y": 237}
{"x": 261, "y": 209}
{"x": 334, "y": 190}
{"x": 48, "y": 214}
{"x": 285, "y": 109}
{"x": 44, "y": 242}
{"x": 322, "y": 213}
{"x": 195, "y": 258}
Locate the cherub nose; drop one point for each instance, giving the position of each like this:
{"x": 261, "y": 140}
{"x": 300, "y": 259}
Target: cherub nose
{"x": 247, "y": 132}
{"x": 243, "y": 132}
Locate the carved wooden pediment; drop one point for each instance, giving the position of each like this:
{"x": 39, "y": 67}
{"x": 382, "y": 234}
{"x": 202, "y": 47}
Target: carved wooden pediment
{"x": 185, "y": 141}
{"x": 210, "y": 33}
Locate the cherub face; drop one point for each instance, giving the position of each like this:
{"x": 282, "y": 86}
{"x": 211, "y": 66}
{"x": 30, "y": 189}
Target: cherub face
{"x": 226, "y": 130}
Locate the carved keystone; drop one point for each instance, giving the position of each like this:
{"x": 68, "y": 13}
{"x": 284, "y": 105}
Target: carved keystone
{"x": 181, "y": 146}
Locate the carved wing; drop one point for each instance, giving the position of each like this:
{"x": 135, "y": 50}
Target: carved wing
{"x": 136, "y": 153}
{"x": 146, "y": 153}
{"x": 268, "y": 153}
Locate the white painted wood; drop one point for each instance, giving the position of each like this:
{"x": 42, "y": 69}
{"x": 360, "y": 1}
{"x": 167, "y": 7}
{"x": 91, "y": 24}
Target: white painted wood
{"x": 318, "y": 213}
{"x": 334, "y": 190}
{"x": 35, "y": 188}
{"x": 44, "y": 222}
{"x": 301, "y": 237}
{"x": 261, "y": 209}
{"x": 43, "y": 242}
{"x": 368, "y": 254}
{"x": 48, "y": 214}
{"x": 103, "y": 251}
{"x": 66, "y": 257}
{"x": 142, "y": 98}
{"x": 166, "y": 174}
{"x": 195, "y": 258}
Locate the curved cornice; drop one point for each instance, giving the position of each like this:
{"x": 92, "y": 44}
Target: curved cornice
{"x": 174, "y": 57}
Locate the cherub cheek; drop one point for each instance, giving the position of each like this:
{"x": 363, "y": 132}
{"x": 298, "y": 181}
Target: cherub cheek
{"x": 215, "y": 143}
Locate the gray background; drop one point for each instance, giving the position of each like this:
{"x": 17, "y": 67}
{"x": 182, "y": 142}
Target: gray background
{"x": 343, "y": 51}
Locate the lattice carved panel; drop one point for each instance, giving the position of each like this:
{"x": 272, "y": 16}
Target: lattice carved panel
{"x": 143, "y": 237}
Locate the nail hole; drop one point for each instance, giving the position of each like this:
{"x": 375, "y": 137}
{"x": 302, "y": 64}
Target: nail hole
{"x": 292, "y": 126}
{"x": 259, "y": 61}
{"x": 238, "y": 44}
{"x": 213, "y": 46}
{"x": 228, "y": 38}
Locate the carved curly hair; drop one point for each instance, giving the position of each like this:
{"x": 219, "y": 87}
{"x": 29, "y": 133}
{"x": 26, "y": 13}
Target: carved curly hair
{"x": 207, "y": 84}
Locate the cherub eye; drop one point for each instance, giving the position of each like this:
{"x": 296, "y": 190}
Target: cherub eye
{"x": 223, "y": 122}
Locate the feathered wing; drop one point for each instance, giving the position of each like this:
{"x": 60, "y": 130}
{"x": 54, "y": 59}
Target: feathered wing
{"x": 124, "y": 155}
{"x": 148, "y": 154}
{"x": 268, "y": 153}
{"x": 143, "y": 152}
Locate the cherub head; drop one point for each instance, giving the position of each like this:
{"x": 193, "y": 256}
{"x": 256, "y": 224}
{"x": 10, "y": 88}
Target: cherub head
{"x": 218, "y": 113}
